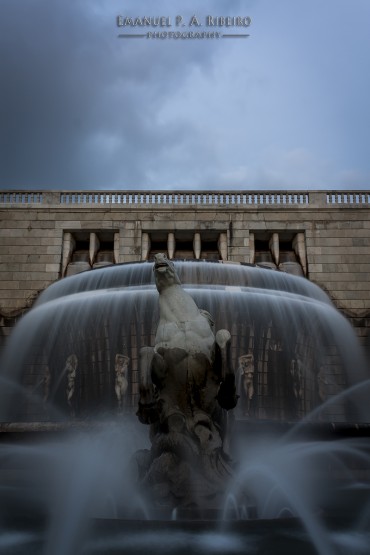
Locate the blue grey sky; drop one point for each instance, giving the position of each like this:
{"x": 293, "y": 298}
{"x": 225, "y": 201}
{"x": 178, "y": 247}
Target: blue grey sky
{"x": 286, "y": 108}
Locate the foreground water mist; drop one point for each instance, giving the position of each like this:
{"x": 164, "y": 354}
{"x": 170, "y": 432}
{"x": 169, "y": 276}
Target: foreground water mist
{"x": 79, "y": 481}
{"x": 59, "y": 487}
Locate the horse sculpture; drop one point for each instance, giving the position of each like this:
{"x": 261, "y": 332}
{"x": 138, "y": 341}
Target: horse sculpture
{"x": 187, "y": 387}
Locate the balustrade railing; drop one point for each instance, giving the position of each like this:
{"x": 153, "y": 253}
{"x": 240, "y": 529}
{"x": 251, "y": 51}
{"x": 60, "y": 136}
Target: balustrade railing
{"x": 188, "y": 198}
{"x": 185, "y": 198}
{"x": 348, "y": 197}
{"x": 21, "y": 197}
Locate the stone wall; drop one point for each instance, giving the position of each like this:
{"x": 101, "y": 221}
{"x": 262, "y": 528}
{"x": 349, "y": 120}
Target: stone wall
{"x": 335, "y": 226}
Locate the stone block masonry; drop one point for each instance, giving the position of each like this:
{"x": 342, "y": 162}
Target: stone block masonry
{"x": 335, "y": 225}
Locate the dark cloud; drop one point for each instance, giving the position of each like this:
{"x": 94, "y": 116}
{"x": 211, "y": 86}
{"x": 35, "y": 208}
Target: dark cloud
{"x": 81, "y": 108}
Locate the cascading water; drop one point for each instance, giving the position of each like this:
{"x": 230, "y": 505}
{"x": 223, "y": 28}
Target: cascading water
{"x": 73, "y": 362}
{"x": 302, "y": 351}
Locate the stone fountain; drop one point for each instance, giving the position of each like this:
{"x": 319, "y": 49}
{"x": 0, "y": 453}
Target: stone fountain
{"x": 254, "y": 391}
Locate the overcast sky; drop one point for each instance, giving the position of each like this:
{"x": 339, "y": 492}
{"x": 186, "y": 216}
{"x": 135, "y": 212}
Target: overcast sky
{"x": 287, "y": 107}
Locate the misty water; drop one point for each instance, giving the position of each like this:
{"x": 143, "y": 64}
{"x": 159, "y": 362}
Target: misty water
{"x": 62, "y": 481}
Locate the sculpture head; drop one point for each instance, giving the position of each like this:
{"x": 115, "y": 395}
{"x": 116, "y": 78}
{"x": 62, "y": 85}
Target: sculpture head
{"x": 121, "y": 363}
{"x": 71, "y": 366}
{"x": 246, "y": 363}
{"x": 164, "y": 271}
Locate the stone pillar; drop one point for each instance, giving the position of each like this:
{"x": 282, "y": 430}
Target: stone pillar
{"x": 93, "y": 247}
{"x": 274, "y": 248}
{"x": 145, "y": 246}
{"x": 299, "y": 246}
{"x": 51, "y": 197}
{"x": 252, "y": 248}
{"x": 222, "y": 246}
{"x": 116, "y": 255}
{"x": 171, "y": 245}
{"x": 69, "y": 244}
{"x": 197, "y": 245}
{"x": 317, "y": 198}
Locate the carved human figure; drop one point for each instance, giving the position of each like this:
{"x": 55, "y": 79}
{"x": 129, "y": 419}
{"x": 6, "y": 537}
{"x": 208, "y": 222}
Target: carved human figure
{"x": 71, "y": 370}
{"x": 296, "y": 374}
{"x": 246, "y": 369}
{"x": 294, "y": 388}
{"x": 187, "y": 385}
{"x": 322, "y": 383}
{"x": 46, "y": 384}
{"x": 121, "y": 383}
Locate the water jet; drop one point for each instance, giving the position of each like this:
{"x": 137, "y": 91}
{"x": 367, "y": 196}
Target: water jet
{"x": 93, "y": 351}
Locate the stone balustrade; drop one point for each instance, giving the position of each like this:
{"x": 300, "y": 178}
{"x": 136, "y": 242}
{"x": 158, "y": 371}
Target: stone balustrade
{"x": 189, "y": 198}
